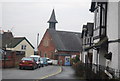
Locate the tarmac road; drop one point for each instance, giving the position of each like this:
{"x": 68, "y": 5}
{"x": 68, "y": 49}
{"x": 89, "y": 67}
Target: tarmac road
{"x": 40, "y": 73}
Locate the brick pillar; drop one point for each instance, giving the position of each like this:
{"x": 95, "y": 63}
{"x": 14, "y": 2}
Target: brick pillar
{"x": 13, "y": 56}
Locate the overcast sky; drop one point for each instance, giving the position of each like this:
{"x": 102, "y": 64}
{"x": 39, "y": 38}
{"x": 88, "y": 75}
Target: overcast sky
{"x": 29, "y": 17}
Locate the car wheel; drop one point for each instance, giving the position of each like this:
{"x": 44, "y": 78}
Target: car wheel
{"x": 20, "y": 67}
{"x": 33, "y": 67}
{"x": 39, "y": 66}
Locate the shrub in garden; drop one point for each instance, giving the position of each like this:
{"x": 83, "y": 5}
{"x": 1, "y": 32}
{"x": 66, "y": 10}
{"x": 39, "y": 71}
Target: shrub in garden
{"x": 79, "y": 69}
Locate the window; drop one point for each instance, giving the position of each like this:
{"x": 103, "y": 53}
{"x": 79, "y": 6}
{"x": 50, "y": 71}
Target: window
{"x": 103, "y": 14}
{"x": 97, "y": 17}
{"x": 103, "y": 19}
{"x": 100, "y": 20}
{"x": 23, "y": 47}
{"x": 97, "y": 22}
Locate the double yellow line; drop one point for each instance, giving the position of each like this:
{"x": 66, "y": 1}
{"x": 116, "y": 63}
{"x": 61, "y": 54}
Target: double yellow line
{"x": 59, "y": 71}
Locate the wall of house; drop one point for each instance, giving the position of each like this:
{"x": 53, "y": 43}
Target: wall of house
{"x": 95, "y": 55}
{"x": 119, "y": 34}
{"x": 95, "y": 59}
{"x": 46, "y": 46}
{"x": 102, "y": 60}
{"x": 61, "y": 60}
{"x": 0, "y": 41}
{"x": 63, "y": 57}
{"x": 29, "y": 50}
{"x": 112, "y": 32}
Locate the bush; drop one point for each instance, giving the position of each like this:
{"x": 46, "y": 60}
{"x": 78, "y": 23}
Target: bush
{"x": 75, "y": 60}
{"x": 85, "y": 71}
{"x": 79, "y": 69}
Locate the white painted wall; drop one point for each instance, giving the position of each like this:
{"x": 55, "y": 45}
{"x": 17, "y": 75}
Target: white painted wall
{"x": 0, "y": 15}
{"x": 102, "y": 59}
{"x": 94, "y": 61}
{"x": 113, "y": 47}
{"x": 29, "y": 50}
{"x": 119, "y": 34}
{"x": 112, "y": 32}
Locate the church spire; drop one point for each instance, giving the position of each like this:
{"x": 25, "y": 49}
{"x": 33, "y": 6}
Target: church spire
{"x": 52, "y": 21}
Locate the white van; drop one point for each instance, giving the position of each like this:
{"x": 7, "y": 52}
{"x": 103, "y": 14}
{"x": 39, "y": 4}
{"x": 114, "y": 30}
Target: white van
{"x": 37, "y": 59}
{"x": 49, "y": 61}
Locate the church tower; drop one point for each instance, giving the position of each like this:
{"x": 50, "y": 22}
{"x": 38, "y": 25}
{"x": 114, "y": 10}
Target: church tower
{"x": 52, "y": 21}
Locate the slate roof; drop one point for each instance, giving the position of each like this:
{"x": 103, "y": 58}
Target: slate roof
{"x": 53, "y": 18}
{"x": 89, "y": 29}
{"x": 10, "y": 41}
{"x": 17, "y": 40}
{"x": 93, "y": 3}
{"x": 66, "y": 41}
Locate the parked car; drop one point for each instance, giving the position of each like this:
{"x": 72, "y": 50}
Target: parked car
{"x": 49, "y": 61}
{"x": 45, "y": 63}
{"x": 41, "y": 61}
{"x": 37, "y": 59}
{"x": 27, "y": 62}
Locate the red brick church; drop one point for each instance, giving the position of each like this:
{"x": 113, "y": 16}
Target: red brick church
{"x": 59, "y": 45}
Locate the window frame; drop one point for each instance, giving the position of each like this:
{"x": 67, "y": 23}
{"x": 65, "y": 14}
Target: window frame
{"x": 23, "y": 47}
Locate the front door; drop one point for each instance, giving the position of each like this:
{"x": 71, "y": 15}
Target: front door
{"x": 67, "y": 60}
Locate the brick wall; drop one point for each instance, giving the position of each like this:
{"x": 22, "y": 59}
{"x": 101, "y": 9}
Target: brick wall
{"x": 12, "y": 61}
{"x": 18, "y": 59}
{"x": 63, "y": 57}
{"x": 46, "y": 46}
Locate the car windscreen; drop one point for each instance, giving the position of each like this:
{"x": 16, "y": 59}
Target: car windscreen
{"x": 29, "y": 59}
{"x": 41, "y": 59}
{"x": 35, "y": 58}
{"x": 48, "y": 59}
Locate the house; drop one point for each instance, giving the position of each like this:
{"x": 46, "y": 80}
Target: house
{"x": 87, "y": 40}
{"x": 14, "y": 48}
{"x": 106, "y": 37}
{"x": 59, "y": 45}
{"x": 19, "y": 44}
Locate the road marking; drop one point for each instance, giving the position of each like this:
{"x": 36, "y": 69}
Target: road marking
{"x": 59, "y": 71}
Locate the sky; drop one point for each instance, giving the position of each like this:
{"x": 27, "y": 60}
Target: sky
{"x": 27, "y": 18}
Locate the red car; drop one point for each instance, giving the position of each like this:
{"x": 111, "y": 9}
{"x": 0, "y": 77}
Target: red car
{"x": 27, "y": 62}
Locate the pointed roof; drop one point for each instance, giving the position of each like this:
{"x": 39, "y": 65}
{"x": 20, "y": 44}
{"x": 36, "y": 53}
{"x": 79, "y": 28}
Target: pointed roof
{"x": 12, "y": 41}
{"x": 53, "y": 18}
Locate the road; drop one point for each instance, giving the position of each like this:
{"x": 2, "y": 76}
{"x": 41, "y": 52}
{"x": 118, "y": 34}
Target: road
{"x": 48, "y": 73}
{"x": 67, "y": 73}
{"x": 40, "y": 73}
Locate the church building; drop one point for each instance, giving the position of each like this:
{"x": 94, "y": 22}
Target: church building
{"x": 59, "y": 45}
